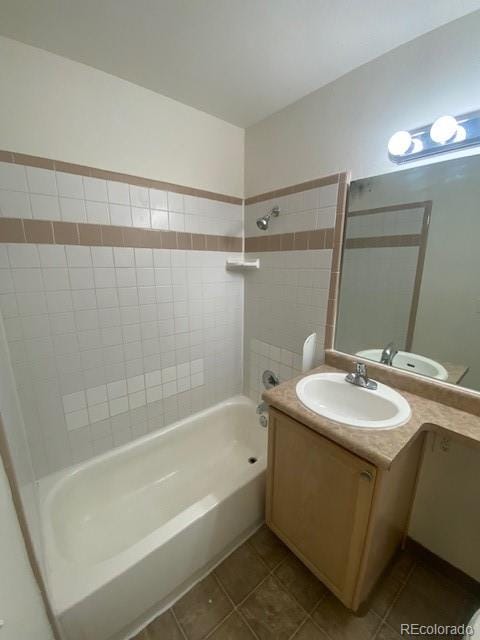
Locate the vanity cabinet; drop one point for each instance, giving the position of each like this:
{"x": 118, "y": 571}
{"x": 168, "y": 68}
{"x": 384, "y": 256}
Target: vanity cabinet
{"x": 341, "y": 515}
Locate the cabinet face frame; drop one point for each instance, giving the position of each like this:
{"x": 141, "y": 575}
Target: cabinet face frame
{"x": 366, "y": 485}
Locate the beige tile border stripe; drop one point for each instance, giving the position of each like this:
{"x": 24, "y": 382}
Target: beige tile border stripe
{"x": 296, "y": 188}
{"x": 26, "y": 230}
{"x": 374, "y": 242}
{"x": 392, "y": 208}
{"x": 92, "y": 172}
{"x": 299, "y": 241}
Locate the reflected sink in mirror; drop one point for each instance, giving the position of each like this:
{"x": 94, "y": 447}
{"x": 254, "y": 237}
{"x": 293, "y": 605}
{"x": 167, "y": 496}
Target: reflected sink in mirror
{"x": 331, "y": 396}
{"x": 412, "y": 362}
{"x": 410, "y": 267}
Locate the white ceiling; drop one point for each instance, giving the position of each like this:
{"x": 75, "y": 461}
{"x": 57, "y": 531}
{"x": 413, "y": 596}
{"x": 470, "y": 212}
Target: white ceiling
{"x": 240, "y": 60}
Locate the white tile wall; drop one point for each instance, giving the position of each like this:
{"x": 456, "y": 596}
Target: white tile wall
{"x": 304, "y": 211}
{"x": 27, "y": 192}
{"x": 286, "y": 299}
{"x": 121, "y": 395}
{"x": 108, "y": 344}
{"x": 261, "y": 356}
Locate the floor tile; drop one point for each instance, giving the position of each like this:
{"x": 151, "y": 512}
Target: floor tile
{"x": 300, "y": 582}
{"x": 271, "y": 612}
{"x": 310, "y": 631}
{"x": 164, "y": 628}
{"x": 384, "y": 594}
{"x": 402, "y": 565}
{"x": 202, "y": 608}
{"x": 241, "y": 572}
{"x": 427, "y": 598}
{"x": 341, "y": 624}
{"x": 387, "y": 633}
{"x": 269, "y": 547}
{"x": 232, "y": 629}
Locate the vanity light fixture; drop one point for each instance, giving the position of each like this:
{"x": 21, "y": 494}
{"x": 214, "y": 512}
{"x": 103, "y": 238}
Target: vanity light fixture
{"x": 447, "y": 133}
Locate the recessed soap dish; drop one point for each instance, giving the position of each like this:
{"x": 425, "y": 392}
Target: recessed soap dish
{"x": 242, "y": 265}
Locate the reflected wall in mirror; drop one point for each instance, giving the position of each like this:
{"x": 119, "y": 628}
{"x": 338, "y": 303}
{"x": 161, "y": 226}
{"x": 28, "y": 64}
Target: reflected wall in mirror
{"x": 410, "y": 282}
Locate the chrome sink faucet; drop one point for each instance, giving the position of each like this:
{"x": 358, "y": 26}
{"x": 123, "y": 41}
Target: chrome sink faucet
{"x": 388, "y": 354}
{"x": 360, "y": 377}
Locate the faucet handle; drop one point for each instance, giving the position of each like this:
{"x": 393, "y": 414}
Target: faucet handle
{"x": 360, "y": 368}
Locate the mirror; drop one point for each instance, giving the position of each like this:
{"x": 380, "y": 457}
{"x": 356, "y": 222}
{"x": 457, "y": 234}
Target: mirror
{"x": 410, "y": 281}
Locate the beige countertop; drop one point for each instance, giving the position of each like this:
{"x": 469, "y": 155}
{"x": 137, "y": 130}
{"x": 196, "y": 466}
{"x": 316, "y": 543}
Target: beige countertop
{"x": 379, "y": 446}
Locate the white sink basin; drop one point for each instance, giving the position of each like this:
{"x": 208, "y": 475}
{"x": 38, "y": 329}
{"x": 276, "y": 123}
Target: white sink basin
{"x": 329, "y": 395}
{"x": 410, "y": 362}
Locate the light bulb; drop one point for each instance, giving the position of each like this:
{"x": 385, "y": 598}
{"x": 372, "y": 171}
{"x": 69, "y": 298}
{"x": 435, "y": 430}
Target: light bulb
{"x": 461, "y": 134}
{"x": 443, "y": 129}
{"x": 399, "y": 143}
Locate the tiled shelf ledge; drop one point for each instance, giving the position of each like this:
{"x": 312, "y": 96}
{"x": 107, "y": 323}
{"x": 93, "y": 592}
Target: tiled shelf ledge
{"x": 26, "y": 230}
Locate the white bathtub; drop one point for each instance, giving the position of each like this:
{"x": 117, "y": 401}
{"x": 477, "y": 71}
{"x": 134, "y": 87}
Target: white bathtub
{"x": 128, "y": 532}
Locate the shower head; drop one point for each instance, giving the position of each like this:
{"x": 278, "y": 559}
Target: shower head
{"x": 262, "y": 223}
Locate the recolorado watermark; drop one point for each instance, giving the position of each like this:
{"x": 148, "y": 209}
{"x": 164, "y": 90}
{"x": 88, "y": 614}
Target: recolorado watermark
{"x": 436, "y": 630}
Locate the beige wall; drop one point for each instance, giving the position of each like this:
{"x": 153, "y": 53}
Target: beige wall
{"x": 446, "y": 517}
{"x": 346, "y": 124}
{"x": 21, "y": 606}
{"x": 60, "y": 109}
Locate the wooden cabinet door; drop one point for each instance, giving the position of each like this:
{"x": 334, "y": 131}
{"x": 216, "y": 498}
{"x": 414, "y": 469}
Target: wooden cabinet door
{"x": 318, "y": 501}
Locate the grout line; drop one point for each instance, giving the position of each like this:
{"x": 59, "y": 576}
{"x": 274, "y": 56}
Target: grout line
{"x": 236, "y": 608}
{"x": 383, "y": 619}
{"x": 248, "y": 594}
{"x": 297, "y": 630}
{"x": 317, "y": 626}
{"x": 271, "y": 573}
{"x": 219, "y": 624}
{"x": 310, "y": 616}
{"x": 177, "y": 623}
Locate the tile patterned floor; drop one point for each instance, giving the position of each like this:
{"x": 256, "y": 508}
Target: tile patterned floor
{"x": 262, "y": 592}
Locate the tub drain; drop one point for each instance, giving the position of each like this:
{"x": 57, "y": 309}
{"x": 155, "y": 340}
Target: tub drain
{"x": 252, "y": 460}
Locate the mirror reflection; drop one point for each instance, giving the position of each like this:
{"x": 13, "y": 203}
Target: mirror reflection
{"x": 410, "y": 284}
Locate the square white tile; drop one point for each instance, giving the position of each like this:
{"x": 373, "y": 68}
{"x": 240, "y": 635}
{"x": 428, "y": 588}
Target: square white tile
{"x": 70, "y": 185}
{"x": 41, "y": 181}
{"x": 12, "y": 176}
{"x": 45, "y": 207}
{"x": 95, "y": 189}
{"x": 15, "y": 204}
